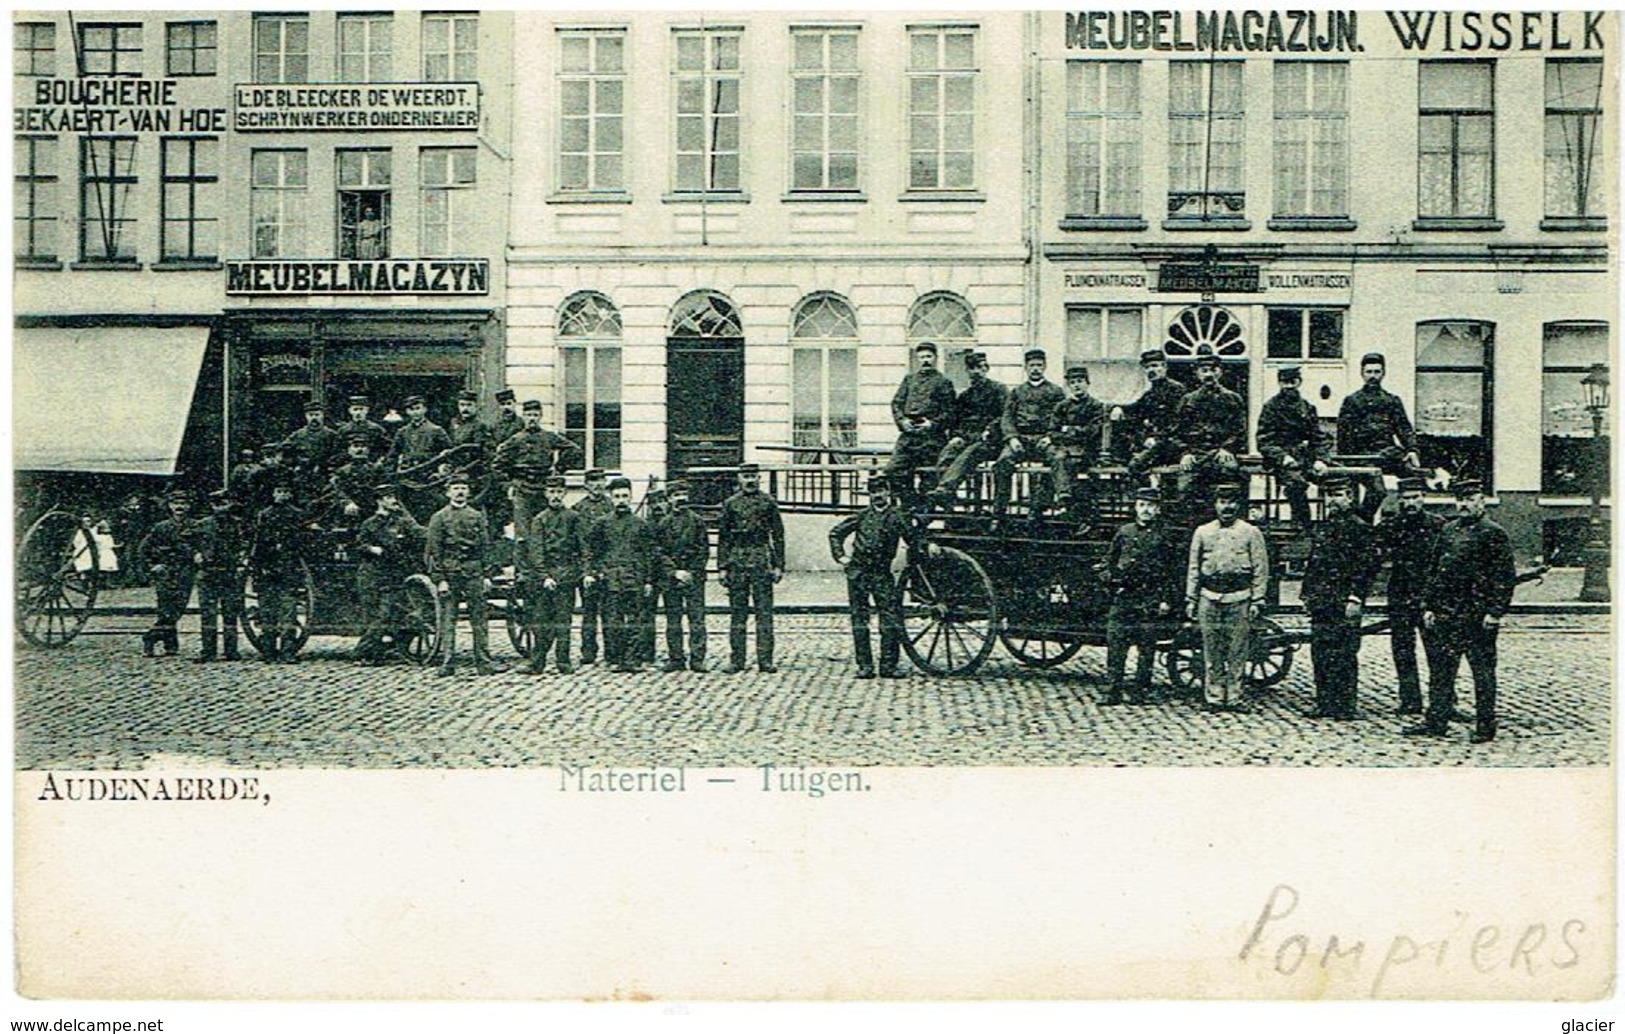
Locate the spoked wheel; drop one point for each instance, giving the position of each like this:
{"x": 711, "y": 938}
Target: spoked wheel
{"x": 1271, "y": 654}
{"x": 421, "y": 626}
{"x": 58, "y": 567}
{"x": 1040, "y": 653}
{"x": 304, "y": 603}
{"x": 515, "y": 614}
{"x": 1184, "y": 660}
{"x": 950, "y": 616}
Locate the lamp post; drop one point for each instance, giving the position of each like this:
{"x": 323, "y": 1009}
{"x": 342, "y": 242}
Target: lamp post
{"x": 1595, "y": 589}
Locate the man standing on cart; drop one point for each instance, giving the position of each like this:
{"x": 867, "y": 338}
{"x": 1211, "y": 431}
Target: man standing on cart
{"x": 922, "y": 409}
{"x": 1294, "y": 447}
{"x": 316, "y": 445}
{"x": 1142, "y": 574}
{"x": 550, "y": 562}
{"x": 167, "y": 552}
{"x": 388, "y": 546}
{"x": 875, "y": 533}
{"x": 418, "y": 442}
{"x": 1226, "y": 583}
{"x": 359, "y": 423}
{"x": 1343, "y": 558}
{"x": 1372, "y": 423}
{"x": 455, "y": 553}
{"x": 975, "y": 432}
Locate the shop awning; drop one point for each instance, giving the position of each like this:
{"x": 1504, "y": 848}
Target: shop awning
{"x": 102, "y": 399}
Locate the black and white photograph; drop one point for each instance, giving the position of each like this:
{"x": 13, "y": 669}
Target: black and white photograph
{"x": 798, "y": 504}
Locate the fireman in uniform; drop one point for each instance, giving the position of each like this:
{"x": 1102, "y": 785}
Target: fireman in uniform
{"x": 455, "y": 551}
{"x": 975, "y": 428}
{"x": 1343, "y": 559}
{"x": 417, "y": 443}
{"x": 875, "y": 533}
{"x": 1372, "y": 423}
{"x": 525, "y": 460}
{"x": 1141, "y": 570}
{"x": 750, "y": 557}
{"x": 1151, "y": 417}
{"x": 1075, "y": 441}
{"x": 684, "y": 551}
{"x": 316, "y": 445}
{"x": 219, "y": 545}
{"x": 389, "y": 545}
{"x": 474, "y": 444}
{"x": 1294, "y": 447}
{"x": 508, "y": 422}
{"x": 621, "y": 555}
{"x": 1210, "y": 427}
{"x": 550, "y": 562}
{"x": 497, "y": 506}
{"x": 168, "y": 554}
{"x": 1411, "y": 541}
{"x": 359, "y": 423}
{"x": 595, "y": 504}
{"x": 280, "y": 539}
{"x": 921, "y": 408}
{"x": 241, "y": 480}
{"x": 654, "y": 510}
{"x": 1029, "y": 416}
{"x": 354, "y": 485}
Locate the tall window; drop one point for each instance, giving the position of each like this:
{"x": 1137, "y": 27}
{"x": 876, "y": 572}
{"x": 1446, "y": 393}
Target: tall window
{"x": 824, "y": 83}
{"x": 190, "y": 170}
{"x": 1455, "y": 387}
{"x": 281, "y": 48}
{"x": 1574, "y": 173}
{"x": 363, "y": 201}
{"x": 34, "y": 206}
{"x": 107, "y": 178}
{"x": 33, "y": 48}
{"x": 1311, "y": 138}
{"x": 942, "y": 108}
{"x": 1456, "y": 140}
{"x": 706, "y": 86}
{"x": 110, "y": 49}
{"x": 190, "y": 48}
{"x": 447, "y": 176}
{"x": 366, "y": 48}
{"x": 280, "y": 180}
{"x": 948, "y": 320}
{"x": 592, "y": 106}
{"x": 1568, "y": 455}
{"x": 824, "y": 374}
{"x": 590, "y": 345}
{"x": 451, "y": 48}
{"x": 1108, "y": 340}
{"x": 1207, "y": 156}
{"x": 1305, "y": 333}
{"x": 1103, "y": 138}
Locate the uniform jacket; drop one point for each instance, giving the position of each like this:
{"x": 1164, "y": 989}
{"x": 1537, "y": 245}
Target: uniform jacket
{"x": 280, "y": 539}
{"x": 1411, "y": 542}
{"x": 1343, "y": 558}
{"x": 318, "y": 445}
{"x": 1228, "y": 564}
{"x": 1474, "y": 572}
{"x": 591, "y": 509}
{"x": 457, "y": 542}
{"x": 469, "y": 432}
{"x": 241, "y": 484}
{"x": 377, "y": 437}
{"x": 357, "y": 483}
{"x": 1289, "y": 426}
{"x": 1371, "y": 420}
{"x": 978, "y": 410}
{"x": 417, "y": 443}
{"x": 1154, "y": 412}
{"x": 683, "y": 544}
{"x": 1030, "y": 409}
{"x": 1209, "y": 418}
{"x": 621, "y": 551}
{"x": 1142, "y": 567}
{"x": 400, "y": 536}
{"x": 169, "y": 543}
{"x": 219, "y": 542}
{"x": 927, "y": 394}
{"x": 875, "y": 534}
{"x": 534, "y": 449}
{"x": 1078, "y": 423}
{"x": 505, "y": 426}
{"x": 750, "y": 535}
{"x": 556, "y": 546}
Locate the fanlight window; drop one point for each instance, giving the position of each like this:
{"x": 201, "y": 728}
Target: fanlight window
{"x": 705, "y": 314}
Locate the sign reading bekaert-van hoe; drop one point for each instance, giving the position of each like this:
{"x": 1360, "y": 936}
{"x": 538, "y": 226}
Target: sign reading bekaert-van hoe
{"x": 285, "y": 108}
{"x": 358, "y": 276}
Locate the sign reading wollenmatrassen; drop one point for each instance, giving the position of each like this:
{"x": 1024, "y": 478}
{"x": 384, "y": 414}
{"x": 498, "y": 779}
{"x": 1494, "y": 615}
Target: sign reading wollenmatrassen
{"x": 1270, "y": 658}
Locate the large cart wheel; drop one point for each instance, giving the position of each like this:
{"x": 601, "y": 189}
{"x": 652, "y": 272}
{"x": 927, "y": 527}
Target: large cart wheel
{"x": 58, "y": 568}
{"x": 422, "y": 620}
{"x": 950, "y": 615}
{"x": 1271, "y": 654}
{"x": 516, "y": 616}
{"x": 304, "y": 605}
{"x": 1184, "y": 660}
{"x": 1040, "y": 653}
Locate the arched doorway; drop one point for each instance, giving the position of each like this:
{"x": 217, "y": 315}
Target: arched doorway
{"x": 1201, "y": 327}
{"x": 705, "y": 383}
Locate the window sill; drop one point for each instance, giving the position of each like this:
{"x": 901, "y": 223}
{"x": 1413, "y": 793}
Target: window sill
{"x": 1454, "y": 225}
{"x": 1229, "y": 224}
{"x": 92, "y": 265}
{"x": 1575, "y": 502}
{"x": 590, "y": 198}
{"x": 37, "y": 263}
{"x": 1575, "y": 223}
{"x": 186, "y": 265}
{"x": 1310, "y": 223}
{"x": 1103, "y": 223}
{"x": 710, "y": 197}
{"x": 957, "y": 196}
{"x": 825, "y": 197}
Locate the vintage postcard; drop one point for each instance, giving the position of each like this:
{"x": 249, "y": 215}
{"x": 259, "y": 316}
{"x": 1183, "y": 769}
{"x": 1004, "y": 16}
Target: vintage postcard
{"x": 820, "y": 505}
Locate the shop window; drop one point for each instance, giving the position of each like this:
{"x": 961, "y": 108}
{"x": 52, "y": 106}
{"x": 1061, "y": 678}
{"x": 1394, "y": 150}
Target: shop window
{"x": 1455, "y": 388}
{"x": 592, "y": 105}
{"x": 33, "y": 48}
{"x": 948, "y": 320}
{"x": 1456, "y": 140}
{"x": 280, "y": 181}
{"x": 1570, "y": 456}
{"x": 1306, "y": 333}
{"x": 706, "y": 85}
{"x": 589, "y": 334}
{"x": 107, "y": 179}
{"x": 110, "y": 49}
{"x": 190, "y": 48}
{"x": 190, "y": 171}
{"x": 823, "y": 375}
{"x": 363, "y": 204}
{"x": 281, "y": 48}
{"x": 451, "y": 48}
{"x": 1207, "y": 158}
{"x": 1108, "y": 340}
{"x": 1103, "y": 139}
{"x": 365, "y": 48}
{"x": 942, "y": 77}
{"x": 824, "y": 82}
{"x": 1311, "y": 139}
{"x": 1575, "y": 179}
{"x": 35, "y": 206}
{"x": 447, "y": 178}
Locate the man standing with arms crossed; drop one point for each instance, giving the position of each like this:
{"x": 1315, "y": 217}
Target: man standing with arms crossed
{"x": 1226, "y": 583}
{"x": 1343, "y": 558}
{"x": 750, "y": 556}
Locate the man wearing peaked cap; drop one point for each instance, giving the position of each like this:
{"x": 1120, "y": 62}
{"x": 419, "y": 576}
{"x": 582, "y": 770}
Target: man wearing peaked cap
{"x": 750, "y": 557}
{"x": 621, "y": 555}
{"x": 455, "y": 553}
{"x": 508, "y": 422}
{"x": 974, "y": 433}
{"x": 922, "y": 409}
{"x": 684, "y": 552}
{"x": 1410, "y": 540}
{"x": 389, "y": 545}
{"x": 1294, "y": 447}
{"x": 1026, "y": 426}
{"x": 1343, "y": 560}
{"x": 1149, "y": 423}
{"x": 1372, "y": 424}
{"x": 550, "y": 563}
{"x": 1141, "y": 571}
{"x": 417, "y": 445}
{"x": 595, "y": 504}
{"x": 358, "y": 408}
{"x": 1079, "y": 421}
{"x": 875, "y": 533}
{"x": 541, "y": 452}
{"x": 1226, "y": 585}
{"x": 1210, "y": 426}
{"x": 168, "y": 554}
{"x": 317, "y": 445}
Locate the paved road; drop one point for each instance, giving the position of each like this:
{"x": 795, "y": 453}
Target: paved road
{"x": 99, "y": 704}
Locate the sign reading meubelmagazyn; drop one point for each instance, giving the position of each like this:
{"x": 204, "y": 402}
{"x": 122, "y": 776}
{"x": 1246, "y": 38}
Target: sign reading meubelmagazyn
{"x": 268, "y": 107}
{"x": 326, "y": 276}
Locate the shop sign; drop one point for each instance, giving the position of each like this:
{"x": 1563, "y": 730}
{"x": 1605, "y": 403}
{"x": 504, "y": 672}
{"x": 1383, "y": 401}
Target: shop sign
{"x": 1208, "y": 278}
{"x": 283, "y": 108}
{"x": 109, "y": 105}
{"x": 1081, "y": 280}
{"x": 284, "y": 369}
{"x": 1308, "y": 281}
{"x": 393, "y": 276}
{"x": 1215, "y": 31}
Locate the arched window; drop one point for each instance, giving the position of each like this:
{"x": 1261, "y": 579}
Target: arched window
{"x": 946, "y": 319}
{"x": 1455, "y": 397}
{"x": 705, "y": 314}
{"x": 824, "y": 374}
{"x": 1569, "y": 456}
{"x": 589, "y": 335}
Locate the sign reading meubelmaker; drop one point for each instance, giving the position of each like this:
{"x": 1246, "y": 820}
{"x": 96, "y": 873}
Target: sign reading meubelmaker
{"x": 285, "y": 108}
{"x": 1207, "y": 277}
{"x": 358, "y": 276}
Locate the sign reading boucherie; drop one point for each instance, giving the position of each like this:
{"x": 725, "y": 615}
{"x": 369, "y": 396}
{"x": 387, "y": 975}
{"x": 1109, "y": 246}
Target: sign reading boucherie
{"x": 386, "y": 276}
{"x": 288, "y": 108}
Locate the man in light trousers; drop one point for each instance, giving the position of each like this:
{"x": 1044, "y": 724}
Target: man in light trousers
{"x": 1226, "y": 582}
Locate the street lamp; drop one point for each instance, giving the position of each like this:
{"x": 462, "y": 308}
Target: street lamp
{"x": 1595, "y": 589}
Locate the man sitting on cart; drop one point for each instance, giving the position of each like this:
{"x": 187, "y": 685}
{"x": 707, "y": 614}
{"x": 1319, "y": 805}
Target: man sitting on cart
{"x": 1211, "y": 428}
{"x": 1075, "y": 442}
{"x": 975, "y": 431}
{"x": 1294, "y": 447}
{"x": 922, "y": 409}
{"x": 1029, "y": 417}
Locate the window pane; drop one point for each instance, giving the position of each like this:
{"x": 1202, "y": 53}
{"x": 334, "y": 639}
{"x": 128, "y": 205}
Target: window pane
{"x": 809, "y": 51}
{"x": 1286, "y": 334}
{"x": 1083, "y": 334}
{"x": 1450, "y": 344}
{"x": 843, "y": 51}
{"x": 1326, "y": 334}
{"x": 1455, "y": 85}
{"x": 806, "y": 386}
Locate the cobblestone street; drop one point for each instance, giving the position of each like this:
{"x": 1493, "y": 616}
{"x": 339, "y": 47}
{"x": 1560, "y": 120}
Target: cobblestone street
{"x": 99, "y": 704}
